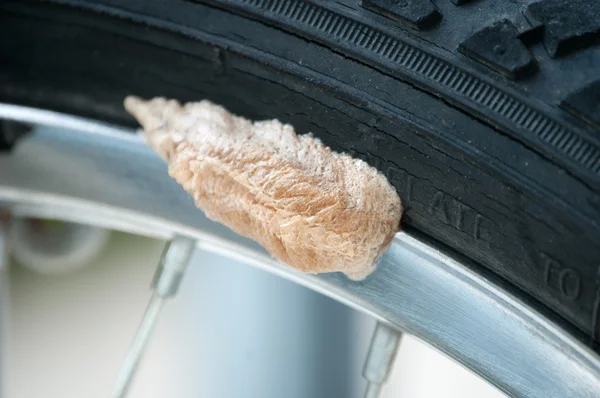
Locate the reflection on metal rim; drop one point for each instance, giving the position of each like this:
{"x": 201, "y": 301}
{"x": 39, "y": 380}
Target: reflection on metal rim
{"x": 82, "y": 171}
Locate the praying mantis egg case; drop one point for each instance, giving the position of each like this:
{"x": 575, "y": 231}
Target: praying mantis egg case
{"x": 310, "y": 207}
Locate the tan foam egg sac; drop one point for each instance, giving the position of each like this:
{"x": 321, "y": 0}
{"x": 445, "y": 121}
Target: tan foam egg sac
{"x": 312, "y": 208}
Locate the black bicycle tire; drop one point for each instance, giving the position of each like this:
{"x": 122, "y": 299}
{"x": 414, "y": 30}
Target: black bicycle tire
{"x": 501, "y": 172}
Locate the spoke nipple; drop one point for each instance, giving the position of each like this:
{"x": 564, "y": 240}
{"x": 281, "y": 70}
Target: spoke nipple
{"x": 380, "y": 358}
{"x": 173, "y": 262}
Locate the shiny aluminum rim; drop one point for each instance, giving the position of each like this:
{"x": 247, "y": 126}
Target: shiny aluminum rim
{"x": 82, "y": 171}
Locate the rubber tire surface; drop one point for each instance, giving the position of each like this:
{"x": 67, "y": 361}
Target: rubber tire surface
{"x": 487, "y": 160}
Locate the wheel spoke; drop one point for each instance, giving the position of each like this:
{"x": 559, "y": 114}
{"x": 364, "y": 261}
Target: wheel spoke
{"x": 380, "y": 358}
{"x": 165, "y": 284}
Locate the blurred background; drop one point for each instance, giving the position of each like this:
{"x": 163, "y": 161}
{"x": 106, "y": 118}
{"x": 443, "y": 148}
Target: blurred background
{"x": 232, "y": 331}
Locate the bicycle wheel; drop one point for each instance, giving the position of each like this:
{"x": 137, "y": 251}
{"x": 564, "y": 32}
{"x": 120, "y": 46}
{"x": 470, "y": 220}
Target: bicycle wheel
{"x": 483, "y": 121}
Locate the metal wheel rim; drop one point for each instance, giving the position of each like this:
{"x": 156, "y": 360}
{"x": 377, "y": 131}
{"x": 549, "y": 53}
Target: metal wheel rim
{"x": 83, "y": 171}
